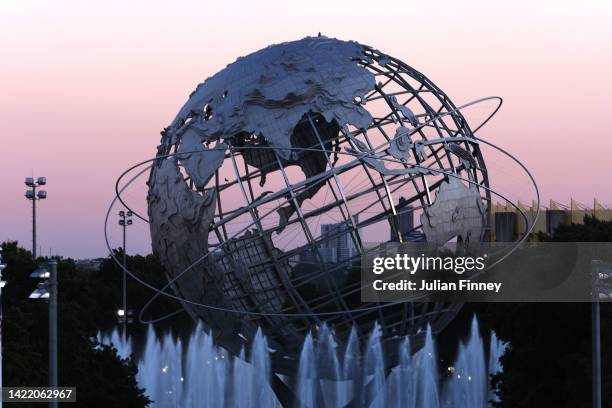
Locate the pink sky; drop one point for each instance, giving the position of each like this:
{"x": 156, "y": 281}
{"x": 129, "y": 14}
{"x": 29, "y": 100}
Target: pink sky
{"x": 86, "y": 87}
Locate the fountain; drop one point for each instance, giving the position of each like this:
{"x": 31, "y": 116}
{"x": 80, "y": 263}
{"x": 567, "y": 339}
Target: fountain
{"x": 468, "y": 386}
{"x": 201, "y": 374}
{"x": 496, "y": 349}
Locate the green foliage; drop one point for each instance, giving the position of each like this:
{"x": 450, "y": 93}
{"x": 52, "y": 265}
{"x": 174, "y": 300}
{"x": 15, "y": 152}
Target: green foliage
{"x": 593, "y": 230}
{"x": 101, "y": 377}
{"x": 108, "y": 284}
{"x": 548, "y": 362}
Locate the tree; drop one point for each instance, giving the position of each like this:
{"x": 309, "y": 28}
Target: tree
{"x": 108, "y": 283}
{"x": 102, "y": 378}
{"x": 548, "y": 360}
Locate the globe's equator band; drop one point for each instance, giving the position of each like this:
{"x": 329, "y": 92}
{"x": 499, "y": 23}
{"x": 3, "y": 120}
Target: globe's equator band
{"x": 519, "y": 210}
{"x": 162, "y": 290}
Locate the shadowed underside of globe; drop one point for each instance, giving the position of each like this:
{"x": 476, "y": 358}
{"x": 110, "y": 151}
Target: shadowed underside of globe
{"x": 295, "y": 138}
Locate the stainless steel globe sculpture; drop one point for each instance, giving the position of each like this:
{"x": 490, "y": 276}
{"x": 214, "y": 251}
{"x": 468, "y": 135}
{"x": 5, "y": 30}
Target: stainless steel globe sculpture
{"x": 294, "y": 136}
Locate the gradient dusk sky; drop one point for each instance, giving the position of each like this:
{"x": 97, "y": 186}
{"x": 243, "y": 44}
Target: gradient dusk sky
{"x": 85, "y": 88}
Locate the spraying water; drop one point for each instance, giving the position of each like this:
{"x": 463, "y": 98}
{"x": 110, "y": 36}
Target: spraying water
{"x": 203, "y": 375}
{"x": 373, "y": 377}
{"x": 403, "y": 379}
{"x": 307, "y": 375}
{"x": 496, "y": 349}
{"x": 468, "y": 386}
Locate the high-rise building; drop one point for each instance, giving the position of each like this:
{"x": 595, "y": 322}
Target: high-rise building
{"x": 404, "y": 224}
{"x": 337, "y": 243}
{"x": 404, "y": 220}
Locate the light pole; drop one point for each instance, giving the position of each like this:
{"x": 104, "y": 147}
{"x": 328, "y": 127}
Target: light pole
{"x": 32, "y": 195}
{"x": 601, "y": 289}
{"x": 2, "y": 283}
{"x": 48, "y": 290}
{"x": 123, "y": 313}
{"x": 53, "y": 327}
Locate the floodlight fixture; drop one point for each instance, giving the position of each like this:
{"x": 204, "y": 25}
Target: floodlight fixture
{"x": 39, "y": 294}
{"x": 40, "y": 273}
{"x": 2, "y": 282}
{"x": 48, "y": 290}
{"x": 33, "y": 195}
{"x": 42, "y": 289}
{"x": 605, "y": 273}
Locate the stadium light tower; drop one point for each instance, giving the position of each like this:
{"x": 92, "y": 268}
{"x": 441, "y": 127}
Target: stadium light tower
{"x": 123, "y": 313}
{"x": 2, "y": 283}
{"x": 48, "y": 290}
{"x": 32, "y": 195}
{"x": 601, "y": 290}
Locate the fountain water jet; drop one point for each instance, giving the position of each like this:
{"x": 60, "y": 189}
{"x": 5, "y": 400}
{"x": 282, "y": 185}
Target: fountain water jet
{"x": 468, "y": 385}
{"x": 201, "y": 374}
{"x": 328, "y": 368}
{"x": 401, "y": 380}
{"x": 307, "y": 375}
{"x": 374, "y": 378}
{"x": 351, "y": 368}
{"x": 496, "y": 350}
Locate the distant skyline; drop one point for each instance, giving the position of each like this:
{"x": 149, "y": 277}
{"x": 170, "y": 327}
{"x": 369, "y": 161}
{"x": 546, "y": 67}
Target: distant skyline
{"x": 86, "y": 88}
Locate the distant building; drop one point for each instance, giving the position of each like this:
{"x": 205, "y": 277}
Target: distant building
{"x": 404, "y": 224}
{"x": 554, "y": 219}
{"x": 403, "y": 221}
{"x": 507, "y": 224}
{"x": 335, "y": 244}
{"x": 89, "y": 264}
{"x": 414, "y": 236}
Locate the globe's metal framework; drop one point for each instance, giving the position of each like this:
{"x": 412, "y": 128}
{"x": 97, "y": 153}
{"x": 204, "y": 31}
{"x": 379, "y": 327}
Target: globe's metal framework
{"x": 234, "y": 216}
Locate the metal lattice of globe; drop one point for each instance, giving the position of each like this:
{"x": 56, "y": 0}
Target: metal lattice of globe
{"x": 283, "y": 141}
